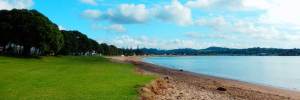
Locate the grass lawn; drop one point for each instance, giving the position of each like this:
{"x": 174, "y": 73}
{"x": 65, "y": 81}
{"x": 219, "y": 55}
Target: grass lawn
{"x": 68, "y": 78}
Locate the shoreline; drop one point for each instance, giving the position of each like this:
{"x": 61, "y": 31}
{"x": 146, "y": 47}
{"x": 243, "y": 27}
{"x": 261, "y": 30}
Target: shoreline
{"x": 224, "y": 78}
{"x": 211, "y": 85}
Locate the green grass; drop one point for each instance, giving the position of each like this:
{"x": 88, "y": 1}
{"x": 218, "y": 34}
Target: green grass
{"x": 68, "y": 78}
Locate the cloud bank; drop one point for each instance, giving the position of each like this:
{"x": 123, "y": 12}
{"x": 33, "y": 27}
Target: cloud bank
{"x": 253, "y": 23}
{"x": 18, "y": 4}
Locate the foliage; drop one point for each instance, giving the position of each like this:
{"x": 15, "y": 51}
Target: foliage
{"x": 29, "y": 29}
{"x": 76, "y": 43}
{"x": 28, "y": 32}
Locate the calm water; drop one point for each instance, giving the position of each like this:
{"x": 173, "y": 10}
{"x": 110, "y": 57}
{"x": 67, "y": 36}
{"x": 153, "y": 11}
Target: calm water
{"x": 282, "y": 72}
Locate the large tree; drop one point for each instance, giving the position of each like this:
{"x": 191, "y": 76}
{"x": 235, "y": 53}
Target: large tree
{"x": 5, "y": 28}
{"x": 29, "y": 28}
{"x": 76, "y": 43}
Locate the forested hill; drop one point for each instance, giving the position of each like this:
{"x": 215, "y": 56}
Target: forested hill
{"x": 225, "y": 51}
{"x": 29, "y": 33}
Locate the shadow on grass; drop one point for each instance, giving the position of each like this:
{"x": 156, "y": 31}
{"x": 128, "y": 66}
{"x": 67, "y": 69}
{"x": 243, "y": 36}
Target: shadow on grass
{"x": 21, "y": 56}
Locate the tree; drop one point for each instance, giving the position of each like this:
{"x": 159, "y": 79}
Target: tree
{"x": 30, "y": 29}
{"x": 76, "y": 43}
{"x": 104, "y": 49}
{"x": 5, "y": 28}
{"x": 32, "y": 32}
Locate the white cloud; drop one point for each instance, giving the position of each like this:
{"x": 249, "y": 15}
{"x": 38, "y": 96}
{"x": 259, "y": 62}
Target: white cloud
{"x": 61, "y": 27}
{"x": 180, "y": 43}
{"x": 257, "y": 4}
{"x": 193, "y": 34}
{"x": 18, "y": 4}
{"x": 138, "y": 14}
{"x": 90, "y": 2}
{"x": 261, "y": 32}
{"x": 116, "y": 28}
{"x": 175, "y": 12}
{"x": 283, "y": 12}
{"x": 126, "y": 41}
{"x": 123, "y": 14}
{"x": 128, "y": 14}
{"x": 91, "y": 14}
{"x": 217, "y": 23}
{"x": 200, "y": 3}
{"x": 277, "y": 20}
{"x": 199, "y": 35}
{"x": 260, "y": 21}
{"x": 273, "y": 23}
{"x": 282, "y": 21}
{"x": 222, "y": 36}
{"x": 240, "y": 27}
{"x": 273, "y": 11}
{"x": 234, "y": 5}
{"x": 247, "y": 28}
{"x": 113, "y": 28}
{"x": 256, "y": 31}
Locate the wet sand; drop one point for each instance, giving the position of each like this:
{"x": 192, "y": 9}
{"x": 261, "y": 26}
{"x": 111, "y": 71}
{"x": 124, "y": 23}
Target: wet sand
{"x": 182, "y": 85}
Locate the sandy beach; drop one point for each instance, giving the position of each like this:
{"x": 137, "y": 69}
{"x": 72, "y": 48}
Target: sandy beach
{"x": 174, "y": 84}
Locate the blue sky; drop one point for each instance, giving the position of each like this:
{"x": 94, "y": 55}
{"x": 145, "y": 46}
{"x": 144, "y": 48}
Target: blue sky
{"x": 170, "y": 24}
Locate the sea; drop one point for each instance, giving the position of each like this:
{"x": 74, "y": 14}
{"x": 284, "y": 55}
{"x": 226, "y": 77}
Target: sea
{"x": 275, "y": 71}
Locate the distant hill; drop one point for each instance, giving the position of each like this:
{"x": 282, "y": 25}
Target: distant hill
{"x": 257, "y": 51}
{"x": 216, "y": 49}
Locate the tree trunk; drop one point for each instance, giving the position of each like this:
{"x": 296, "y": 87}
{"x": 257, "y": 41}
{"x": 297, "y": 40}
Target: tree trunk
{"x": 1, "y": 49}
{"x": 26, "y": 51}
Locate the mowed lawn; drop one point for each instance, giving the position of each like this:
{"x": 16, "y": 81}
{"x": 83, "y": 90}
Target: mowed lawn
{"x": 68, "y": 78}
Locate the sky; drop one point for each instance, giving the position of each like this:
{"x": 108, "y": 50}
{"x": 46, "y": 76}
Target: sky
{"x": 171, "y": 24}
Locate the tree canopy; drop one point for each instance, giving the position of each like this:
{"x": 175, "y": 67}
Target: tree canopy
{"x": 29, "y": 29}
{"x": 76, "y": 43}
{"x": 28, "y": 32}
